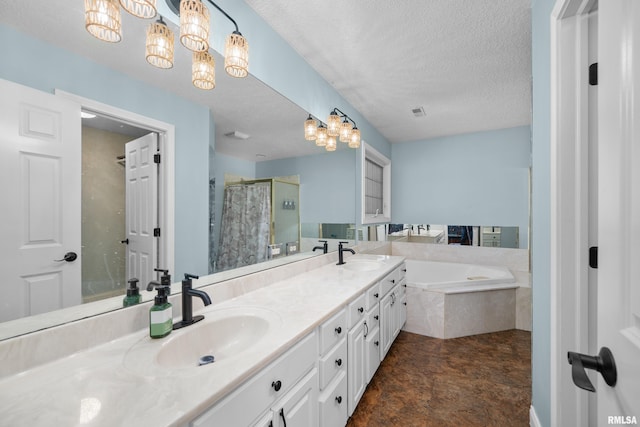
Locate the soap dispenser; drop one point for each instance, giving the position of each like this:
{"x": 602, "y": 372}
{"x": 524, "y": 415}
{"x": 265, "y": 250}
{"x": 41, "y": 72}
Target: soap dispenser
{"x": 133, "y": 294}
{"x": 161, "y": 313}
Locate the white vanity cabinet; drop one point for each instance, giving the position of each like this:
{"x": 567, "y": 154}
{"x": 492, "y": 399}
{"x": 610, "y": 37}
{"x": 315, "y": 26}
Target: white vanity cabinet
{"x": 289, "y": 384}
{"x": 393, "y": 308}
{"x": 333, "y": 366}
{"x": 357, "y": 382}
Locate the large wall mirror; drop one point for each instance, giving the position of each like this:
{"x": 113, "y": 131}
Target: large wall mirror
{"x": 209, "y": 128}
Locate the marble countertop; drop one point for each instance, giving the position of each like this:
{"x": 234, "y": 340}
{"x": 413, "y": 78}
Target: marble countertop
{"x": 97, "y": 388}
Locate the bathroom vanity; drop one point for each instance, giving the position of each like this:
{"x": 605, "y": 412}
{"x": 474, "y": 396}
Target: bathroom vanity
{"x": 298, "y": 352}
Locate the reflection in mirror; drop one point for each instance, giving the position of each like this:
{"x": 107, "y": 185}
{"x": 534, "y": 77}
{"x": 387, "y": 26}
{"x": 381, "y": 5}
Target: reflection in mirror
{"x": 466, "y": 235}
{"x": 316, "y": 234}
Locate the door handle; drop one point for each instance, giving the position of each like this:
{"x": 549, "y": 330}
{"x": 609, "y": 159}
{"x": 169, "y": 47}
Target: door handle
{"x": 68, "y": 257}
{"x": 603, "y": 363}
{"x": 126, "y": 241}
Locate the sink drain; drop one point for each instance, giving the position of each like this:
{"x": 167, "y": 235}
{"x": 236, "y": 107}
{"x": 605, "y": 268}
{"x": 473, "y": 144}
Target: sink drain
{"x": 205, "y": 360}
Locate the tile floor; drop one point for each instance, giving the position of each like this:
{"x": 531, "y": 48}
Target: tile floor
{"x": 480, "y": 380}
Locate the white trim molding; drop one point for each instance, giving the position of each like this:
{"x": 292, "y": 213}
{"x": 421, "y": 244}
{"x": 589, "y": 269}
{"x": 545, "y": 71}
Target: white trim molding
{"x": 368, "y": 152}
{"x": 166, "y": 185}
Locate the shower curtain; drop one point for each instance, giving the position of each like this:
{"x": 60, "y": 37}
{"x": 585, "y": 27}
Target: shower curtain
{"x": 245, "y": 226}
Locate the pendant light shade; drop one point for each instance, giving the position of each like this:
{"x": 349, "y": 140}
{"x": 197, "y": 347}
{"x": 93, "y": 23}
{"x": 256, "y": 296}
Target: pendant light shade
{"x": 159, "y": 45}
{"x": 355, "y": 138}
{"x": 194, "y": 25}
{"x": 333, "y": 124}
{"x": 310, "y": 129}
{"x": 141, "y": 8}
{"x": 103, "y": 20}
{"x": 321, "y": 139}
{"x": 345, "y": 131}
{"x": 331, "y": 144}
{"x": 203, "y": 71}
{"x": 236, "y": 55}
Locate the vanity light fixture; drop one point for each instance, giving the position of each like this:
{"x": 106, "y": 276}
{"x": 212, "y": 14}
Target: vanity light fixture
{"x": 159, "y": 44}
{"x": 347, "y": 131}
{"x": 103, "y": 20}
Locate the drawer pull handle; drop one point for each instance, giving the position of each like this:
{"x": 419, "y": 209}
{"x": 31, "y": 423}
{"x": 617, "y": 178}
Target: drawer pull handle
{"x": 277, "y": 385}
{"x": 393, "y": 280}
{"x": 404, "y": 303}
{"x": 284, "y": 420}
{"x": 339, "y": 362}
{"x": 338, "y": 330}
{"x": 405, "y": 285}
{"x": 339, "y": 399}
{"x": 361, "y": 310}
{"x": 404, "y": 269}
{"x": 377, "y": 295}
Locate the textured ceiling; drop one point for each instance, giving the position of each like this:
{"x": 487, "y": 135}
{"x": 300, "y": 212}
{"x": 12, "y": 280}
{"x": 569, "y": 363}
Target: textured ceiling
{"x": 466, "y": 62}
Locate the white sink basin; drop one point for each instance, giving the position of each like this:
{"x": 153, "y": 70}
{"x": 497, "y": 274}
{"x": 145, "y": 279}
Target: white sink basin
{"x": 354, "y": 265}
{"x": 223, "y": 334}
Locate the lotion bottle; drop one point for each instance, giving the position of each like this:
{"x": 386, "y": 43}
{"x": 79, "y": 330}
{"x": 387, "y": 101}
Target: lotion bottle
{"x": 161, "y": 314}
{"x": 133, "y": 294}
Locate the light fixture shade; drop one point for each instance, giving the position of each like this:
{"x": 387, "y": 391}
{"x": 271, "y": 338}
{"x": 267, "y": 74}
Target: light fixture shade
{"x": 310, "y": 129}
{"x": 355, "y": 138}
{"x": 333, "y": 124}
{"x": 331, "y": 144}
{"x": 203, "y": 71}
{"x": 236, "y": 55}
{"x": 102, "y": 19}
{"x": 345, "y": 131}
{"x": 141, "y": 8}
{"x": 159, "y": 50}
{"x": 194, "y": 25}
{"x": 321, "y": 139}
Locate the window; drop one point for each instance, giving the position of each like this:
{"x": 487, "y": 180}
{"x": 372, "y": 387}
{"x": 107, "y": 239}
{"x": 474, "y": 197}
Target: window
{"x": 376, "y": 186}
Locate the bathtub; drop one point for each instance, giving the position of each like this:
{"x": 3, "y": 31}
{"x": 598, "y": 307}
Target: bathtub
{"x": 451, "y": 300}
{"x": 452, "y": 277}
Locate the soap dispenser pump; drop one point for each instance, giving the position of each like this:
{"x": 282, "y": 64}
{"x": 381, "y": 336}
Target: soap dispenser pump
{"x": 161, "y": 313}
{"x": 133, "y": 294}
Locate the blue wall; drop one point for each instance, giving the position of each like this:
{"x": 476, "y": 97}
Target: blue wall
{"x": 22, "y": 62}
{"x": 479, "y": 178}
{"x": 541, "y": 210}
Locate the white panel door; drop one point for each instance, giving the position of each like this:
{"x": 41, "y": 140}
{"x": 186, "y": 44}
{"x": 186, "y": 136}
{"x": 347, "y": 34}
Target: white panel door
{"x": 40, "y": 172}
{"x": 619, "y": 207}
{"x": 142, "y": 207}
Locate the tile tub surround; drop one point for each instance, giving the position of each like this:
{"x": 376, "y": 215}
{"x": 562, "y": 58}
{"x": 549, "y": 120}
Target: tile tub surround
{"x": 517, "y": 260}
{"x": 94, "y": 386}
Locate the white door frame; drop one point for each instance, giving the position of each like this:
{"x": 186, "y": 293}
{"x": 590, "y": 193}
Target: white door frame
{"x": 569, "y": 203}
{"x": 166, "y": 184}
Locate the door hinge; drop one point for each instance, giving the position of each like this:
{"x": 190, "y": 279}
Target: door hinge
{"x": 593, "y": 74}
{"x": 156, "y": 158}
{"x": 593, "y": 257}
{"x": 156, "y": 232}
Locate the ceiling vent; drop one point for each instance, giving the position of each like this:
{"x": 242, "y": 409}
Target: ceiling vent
{"x": 237, "y": 135}
{"x": 418, "y": 112}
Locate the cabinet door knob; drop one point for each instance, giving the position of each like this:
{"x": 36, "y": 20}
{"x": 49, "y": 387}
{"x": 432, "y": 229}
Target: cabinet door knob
{"x": 277, "y": 385}
{"x": 339, "y": 362}
{"x": 338, "y": 330}
{"x": 376, "y": 317}
{"x": 393, "y": 280}
{"x": 377, "y": 295}
{"x": 339, "y": 399}
{"x": 360, "y": 310}
{"x": 376, "y": 342}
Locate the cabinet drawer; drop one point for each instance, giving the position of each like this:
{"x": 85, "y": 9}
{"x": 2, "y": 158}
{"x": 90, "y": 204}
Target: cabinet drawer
{"x": 373, "y": 317}
{"x": 333, "y": 362}
{"x": 333, "y": 403}
{"x": 332, "y": 331}
{"x": 356, "y": 310}
{"x": 260, "y": 389}
{"x": 389, "y": 281}
{"x": 373, "y": 296}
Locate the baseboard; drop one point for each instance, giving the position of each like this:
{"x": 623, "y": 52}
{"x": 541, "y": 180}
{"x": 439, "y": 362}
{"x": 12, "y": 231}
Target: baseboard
{"x": 533, "y": 418}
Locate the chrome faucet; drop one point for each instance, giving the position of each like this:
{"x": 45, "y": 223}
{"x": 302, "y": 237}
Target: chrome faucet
{"x": 324, "y": 247}
{"x": 187, "y": 305}
{"x": 340, "y": 252}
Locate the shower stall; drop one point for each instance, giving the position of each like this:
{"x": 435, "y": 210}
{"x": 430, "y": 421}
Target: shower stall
{"x": 260, "y": 221}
